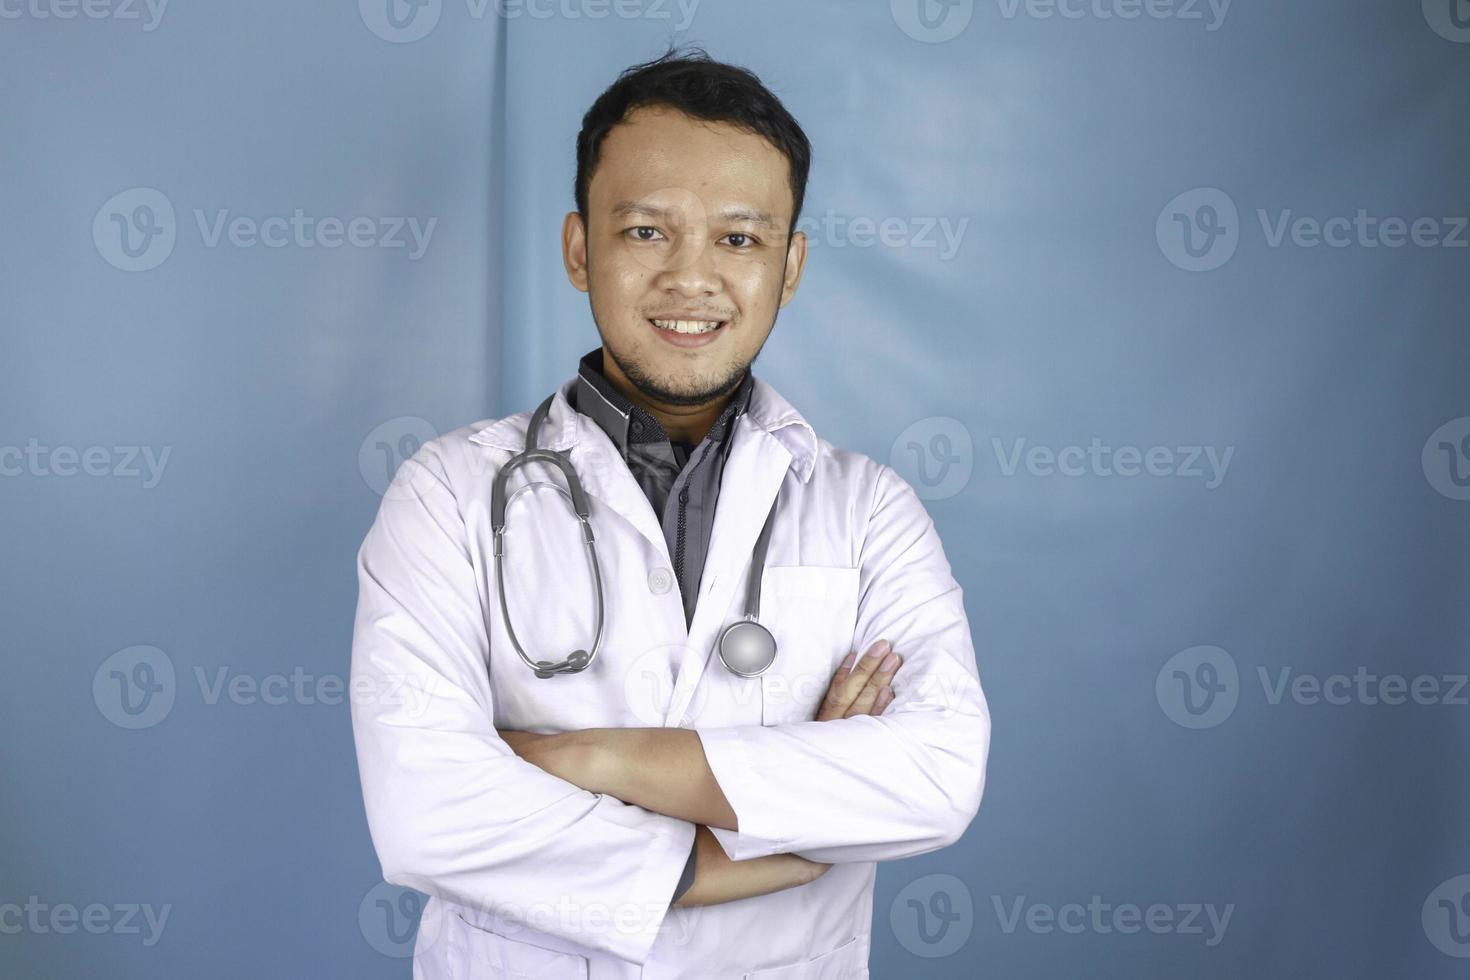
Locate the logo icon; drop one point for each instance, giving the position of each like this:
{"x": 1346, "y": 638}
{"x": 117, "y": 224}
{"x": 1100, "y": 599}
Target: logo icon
{"x": 135, "y": 229}
{"x": 391, "y": 919}
{"x": 1450, "y": 19}
{"x": 933, "y": 916}
{"x": 1199, "y": 230}
{"x": 400, "y": 21}
{"x": 932, "y": 21}
{"x": 1446, "y": 459}
{"x": 384, "y": 451}
{"x": 935, "y": 455}
{"x": 1198, "y": 687}
{"x": 649, "y": 686}
{"x": 1446, "y": 917}
{"x": 135, "y": 687}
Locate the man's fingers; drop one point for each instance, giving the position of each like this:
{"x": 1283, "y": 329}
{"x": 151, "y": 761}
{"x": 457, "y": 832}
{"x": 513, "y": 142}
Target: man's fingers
{"x": 878, "y": 681}
{"x": 858, "y": 683}
{"x": 844, "y": 686}
{"x": 834, "y": 704}
{"x": 864, "y": 668}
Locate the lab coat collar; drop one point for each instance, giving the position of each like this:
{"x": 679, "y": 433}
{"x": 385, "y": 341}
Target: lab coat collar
{"x": 770, "y": 440}
{"x": 565, "y": 428}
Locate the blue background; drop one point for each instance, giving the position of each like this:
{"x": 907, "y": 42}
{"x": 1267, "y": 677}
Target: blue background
{"x": 1337, "y": 540}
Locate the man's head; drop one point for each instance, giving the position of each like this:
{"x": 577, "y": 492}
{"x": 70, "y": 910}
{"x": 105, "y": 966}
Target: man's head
{"x": 690, "y": 179}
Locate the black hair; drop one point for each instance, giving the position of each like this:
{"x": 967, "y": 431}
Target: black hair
{"x": 698, "y": 86}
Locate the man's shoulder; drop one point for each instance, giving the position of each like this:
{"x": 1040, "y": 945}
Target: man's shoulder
{"x": 464, "y": 451}
{"x": 834, "y": 466}
{"x": 863, "y": 476}
{"x": 871, "y": 484}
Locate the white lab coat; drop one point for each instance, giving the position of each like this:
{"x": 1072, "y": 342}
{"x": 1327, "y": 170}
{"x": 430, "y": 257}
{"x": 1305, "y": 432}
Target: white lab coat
{"x": 531, "y": 876}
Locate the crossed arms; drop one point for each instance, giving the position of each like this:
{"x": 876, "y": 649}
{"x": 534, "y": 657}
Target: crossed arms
{"x": 456, "y": 812}
{"x": 665, "y": 770}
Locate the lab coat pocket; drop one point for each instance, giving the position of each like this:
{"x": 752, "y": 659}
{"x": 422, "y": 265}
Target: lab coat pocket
{"x": 484, "y": 954}
{"x": 812, "y": 612}
{"x": 847, "y": 962}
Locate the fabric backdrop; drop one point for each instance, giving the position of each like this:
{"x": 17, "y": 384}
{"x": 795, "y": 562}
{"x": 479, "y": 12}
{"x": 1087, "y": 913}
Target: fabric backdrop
{"x": 1159, "y": 304}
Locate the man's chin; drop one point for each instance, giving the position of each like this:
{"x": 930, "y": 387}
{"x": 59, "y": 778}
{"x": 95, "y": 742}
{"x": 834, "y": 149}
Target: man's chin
{"x": 680, "y": 385}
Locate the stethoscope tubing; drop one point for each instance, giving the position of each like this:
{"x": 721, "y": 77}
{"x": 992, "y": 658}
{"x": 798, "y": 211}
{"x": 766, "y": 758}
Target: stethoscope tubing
{"x": 746, "y": 647}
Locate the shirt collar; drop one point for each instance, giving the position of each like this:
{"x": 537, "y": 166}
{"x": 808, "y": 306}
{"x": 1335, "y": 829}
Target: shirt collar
{"x": 627, "y": 423}
{"x": 767, "y": 410}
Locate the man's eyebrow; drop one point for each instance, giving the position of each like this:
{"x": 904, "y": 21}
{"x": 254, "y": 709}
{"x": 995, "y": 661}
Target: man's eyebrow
{"x": 732, "y": 214}
{"x": 625, "y": 208}
{"x": 749, "y": 215}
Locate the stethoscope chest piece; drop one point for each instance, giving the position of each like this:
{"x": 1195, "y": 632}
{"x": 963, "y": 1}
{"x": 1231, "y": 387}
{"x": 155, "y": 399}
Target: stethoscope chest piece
{"x": 747, "y": 648}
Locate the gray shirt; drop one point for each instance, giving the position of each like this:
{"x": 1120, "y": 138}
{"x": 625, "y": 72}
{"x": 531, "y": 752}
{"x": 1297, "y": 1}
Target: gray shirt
{"x": 683, "y": 492}
{"x": 681, "y": 481}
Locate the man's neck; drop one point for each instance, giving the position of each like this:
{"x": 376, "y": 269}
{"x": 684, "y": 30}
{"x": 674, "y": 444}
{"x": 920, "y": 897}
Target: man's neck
{"x": 681, "y": 423}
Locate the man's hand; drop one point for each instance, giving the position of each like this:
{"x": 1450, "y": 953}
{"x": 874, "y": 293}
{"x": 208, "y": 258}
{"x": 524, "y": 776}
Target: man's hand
{"x": 861, "y": 688}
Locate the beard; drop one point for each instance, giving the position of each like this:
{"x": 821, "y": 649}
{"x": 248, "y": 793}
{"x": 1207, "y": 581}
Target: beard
{"x": 658, "y": 390}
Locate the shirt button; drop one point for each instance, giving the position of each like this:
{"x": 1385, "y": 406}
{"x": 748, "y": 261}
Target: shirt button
{"x": 660, "y": 580}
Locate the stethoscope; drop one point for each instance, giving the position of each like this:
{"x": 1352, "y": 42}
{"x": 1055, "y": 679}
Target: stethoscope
{"x": 746, "y": 647}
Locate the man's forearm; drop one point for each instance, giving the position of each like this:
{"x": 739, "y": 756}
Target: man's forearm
{"x": 717, "y": 879}
{"x": 664, "y": 769}
{"x": 659, "y": 769}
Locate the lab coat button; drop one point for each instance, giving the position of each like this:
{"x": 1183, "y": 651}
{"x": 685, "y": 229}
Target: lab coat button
{"x": 660, "y": 580}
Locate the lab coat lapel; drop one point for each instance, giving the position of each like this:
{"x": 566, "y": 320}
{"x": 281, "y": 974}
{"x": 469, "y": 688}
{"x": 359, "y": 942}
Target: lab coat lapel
{"x": 753, "y": 474}
{"x": 605, "y": 476}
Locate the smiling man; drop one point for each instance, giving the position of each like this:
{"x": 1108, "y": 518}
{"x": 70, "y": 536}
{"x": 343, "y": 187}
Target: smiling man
{"x": 662, "y": 803}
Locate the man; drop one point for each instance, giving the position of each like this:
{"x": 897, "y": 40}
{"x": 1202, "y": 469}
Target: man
{"x": 657, "y": 814}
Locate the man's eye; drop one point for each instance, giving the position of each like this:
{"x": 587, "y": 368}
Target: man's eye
{"x": 638, "y": 233}
{"x": 746, "y": 240}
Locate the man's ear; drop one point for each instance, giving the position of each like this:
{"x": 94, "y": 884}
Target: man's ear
{"x": 795, "y": 263}
{"x": 574, "y": 249}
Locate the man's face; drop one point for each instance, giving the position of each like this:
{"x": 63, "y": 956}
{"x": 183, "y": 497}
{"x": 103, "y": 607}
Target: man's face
{"x": 686, "y": 221}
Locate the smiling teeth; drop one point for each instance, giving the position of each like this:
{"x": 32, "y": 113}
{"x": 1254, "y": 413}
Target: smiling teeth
{"x": 687, "y": 326}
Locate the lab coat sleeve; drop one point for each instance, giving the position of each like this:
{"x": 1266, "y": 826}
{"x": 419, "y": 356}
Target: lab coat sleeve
{"x": 873, "y": 788}
{"x": 452, "y": 811}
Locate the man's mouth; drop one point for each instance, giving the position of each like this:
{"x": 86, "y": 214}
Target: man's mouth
{"x": 692, "y": 327}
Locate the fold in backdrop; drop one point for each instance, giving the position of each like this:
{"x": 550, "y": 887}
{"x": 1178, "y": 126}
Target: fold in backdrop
{"x": 1159, "y": 304}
